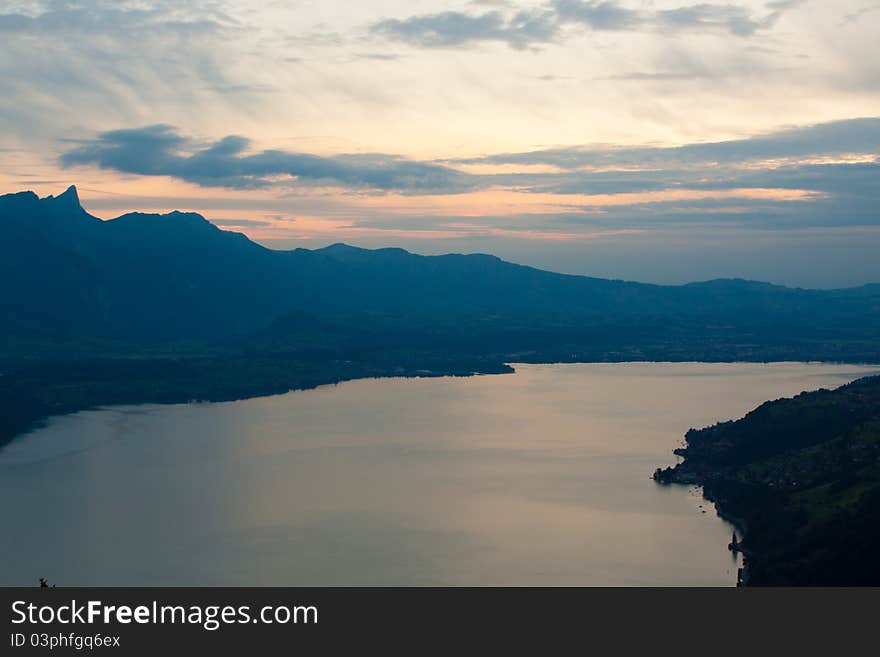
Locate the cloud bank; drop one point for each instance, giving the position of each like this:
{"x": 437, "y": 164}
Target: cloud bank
{"x": 826, "y": 139}
{"x": 816, "y": 175}
{"x": 548, "y": 23}
{"x": 101, "y": 17}
{"x": 159, "y": 150}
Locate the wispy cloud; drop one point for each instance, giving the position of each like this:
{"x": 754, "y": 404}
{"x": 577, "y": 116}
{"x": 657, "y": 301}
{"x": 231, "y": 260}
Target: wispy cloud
{"x": 833, "y": 157}
{"x": 856, "y": 16}
{"x": 545, "y": 24}
{"x": 837, "y": 137}
{"x": 452, "y": 28}
{"x": 159, "y": 150}
{"x": 101, "y": 17}
{"x": 828, "y": 171}
{"x": 66, "y": 64}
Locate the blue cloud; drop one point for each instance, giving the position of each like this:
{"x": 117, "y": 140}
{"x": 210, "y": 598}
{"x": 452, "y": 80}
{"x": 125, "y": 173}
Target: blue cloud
{"x": 527, "y": 28}
{"x": 848, "y": 193}
{"x": 836, "y": 137}
{"x": 453, "y": 28}
{"x": 159, "y": 150}
{"x": 112, "y": 17}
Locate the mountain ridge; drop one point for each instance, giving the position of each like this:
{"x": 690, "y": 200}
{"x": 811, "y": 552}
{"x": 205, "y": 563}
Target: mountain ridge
{"x": 70, "y": 199}
{"x": 154, "y": 278}
{"x": 170, "y": 308}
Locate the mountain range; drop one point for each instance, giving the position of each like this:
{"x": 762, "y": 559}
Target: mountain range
{"x": 170, "y": 308}
{"x": 148, "y": 279}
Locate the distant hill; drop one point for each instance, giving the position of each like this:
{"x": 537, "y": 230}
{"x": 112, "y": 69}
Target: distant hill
{"x": 170, "y": 308}
{"x": 801, "y": 476}
{"x": 158, "y": 279}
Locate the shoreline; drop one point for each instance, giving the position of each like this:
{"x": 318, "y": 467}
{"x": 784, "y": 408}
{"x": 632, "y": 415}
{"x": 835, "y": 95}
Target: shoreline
{"x": 333, "y": 372}
{"x": 26, "y": 425}
{"x": 674, "y": 476}
{"x": 799, "y": 479}
{"x": 755, "y": 470}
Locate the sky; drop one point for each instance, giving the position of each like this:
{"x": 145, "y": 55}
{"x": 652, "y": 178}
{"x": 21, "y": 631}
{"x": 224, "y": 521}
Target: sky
{"x": 664, "y": 141}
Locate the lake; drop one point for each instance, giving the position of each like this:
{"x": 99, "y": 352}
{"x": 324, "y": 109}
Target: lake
{"x": 542, "y": 477}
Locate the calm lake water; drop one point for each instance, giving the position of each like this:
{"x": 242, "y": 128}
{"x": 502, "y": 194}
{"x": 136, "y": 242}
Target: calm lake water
{"x": 536, "y": 478}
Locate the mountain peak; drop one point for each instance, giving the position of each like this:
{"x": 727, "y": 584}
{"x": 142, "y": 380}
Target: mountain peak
{"x": 341, "y": 247}
{"x": 68, "y": 198}
{"x": 169, "y": 223}
{"x": 174, "y": 215}
{"x": 19, "y": 197}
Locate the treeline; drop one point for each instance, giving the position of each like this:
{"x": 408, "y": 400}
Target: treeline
{"x": 801, "y": 477}
{"x": 33, "y": 391}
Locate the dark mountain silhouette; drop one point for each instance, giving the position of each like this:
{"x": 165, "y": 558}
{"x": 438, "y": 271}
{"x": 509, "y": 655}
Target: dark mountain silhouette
{"x": 158, "y": 278}
{"x": 169, "y": 308}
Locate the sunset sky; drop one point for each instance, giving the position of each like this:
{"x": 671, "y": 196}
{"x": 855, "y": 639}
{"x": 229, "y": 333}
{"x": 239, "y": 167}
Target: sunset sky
{"x": 663, "y": 141}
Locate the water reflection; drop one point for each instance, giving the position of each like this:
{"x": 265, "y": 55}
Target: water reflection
{"x": 537, "y": 478}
